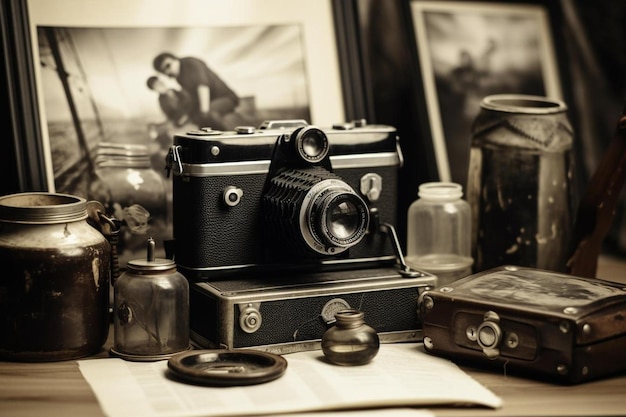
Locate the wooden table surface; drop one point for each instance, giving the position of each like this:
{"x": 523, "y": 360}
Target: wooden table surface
{"x": 58, "y": 388}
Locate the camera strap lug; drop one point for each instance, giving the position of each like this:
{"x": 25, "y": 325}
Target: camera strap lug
{"x": 173, "y": 161}
{"x": 399, "y": 152}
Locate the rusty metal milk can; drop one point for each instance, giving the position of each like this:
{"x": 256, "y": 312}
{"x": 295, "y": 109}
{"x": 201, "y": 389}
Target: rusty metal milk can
{"x": 520, "y": 183}
{"x": 54, "y": 285}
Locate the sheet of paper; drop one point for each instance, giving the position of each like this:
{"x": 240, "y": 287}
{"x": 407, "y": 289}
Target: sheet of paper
{"x": 401, "y": 375}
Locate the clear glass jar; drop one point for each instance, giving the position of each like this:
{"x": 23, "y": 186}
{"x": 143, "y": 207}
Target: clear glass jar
{"x": 350, "y": 341}
{"x": 151, "y": 310}
{"x": 439, "y": 232}
{"x": 132, "y": 191}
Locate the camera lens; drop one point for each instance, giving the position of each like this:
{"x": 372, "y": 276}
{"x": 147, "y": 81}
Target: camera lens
{"x": 344, "y": 219}
{"x": 332, "y": 217}
{"x": 312, "y": 144}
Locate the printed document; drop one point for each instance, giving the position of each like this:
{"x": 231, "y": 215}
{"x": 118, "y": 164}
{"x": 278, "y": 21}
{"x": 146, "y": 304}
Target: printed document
{"x": 401, "y": 375}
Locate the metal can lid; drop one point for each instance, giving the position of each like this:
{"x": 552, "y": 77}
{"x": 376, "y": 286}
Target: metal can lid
{"x": 151, "y": 263}
{"x": 42, "y": 208}
{"x": 155, "y": 265}
{"x": 220, "y": 367}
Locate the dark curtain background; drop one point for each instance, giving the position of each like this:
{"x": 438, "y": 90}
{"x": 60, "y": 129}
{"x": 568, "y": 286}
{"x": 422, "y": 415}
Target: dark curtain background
{"x": 21, "y": 156}
{"x": 8, "y": 163}
{"x": 595, "y": 33}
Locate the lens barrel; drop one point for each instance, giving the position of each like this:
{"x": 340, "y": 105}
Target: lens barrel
{"x": 314, "y": 209}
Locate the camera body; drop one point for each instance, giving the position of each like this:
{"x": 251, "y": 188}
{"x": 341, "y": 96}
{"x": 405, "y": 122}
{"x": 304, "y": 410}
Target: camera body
{"x": 286, "y": 196}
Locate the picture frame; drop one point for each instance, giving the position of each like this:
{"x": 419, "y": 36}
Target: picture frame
{"x": 383, "y": 81}
{"x": 467, "y": 50}
{"x": 314, "y": 18}
{"x": 245, "y": 26}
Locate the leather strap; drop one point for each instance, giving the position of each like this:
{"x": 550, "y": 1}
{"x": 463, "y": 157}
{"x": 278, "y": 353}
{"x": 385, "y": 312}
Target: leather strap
{"x": 597, "y": 207}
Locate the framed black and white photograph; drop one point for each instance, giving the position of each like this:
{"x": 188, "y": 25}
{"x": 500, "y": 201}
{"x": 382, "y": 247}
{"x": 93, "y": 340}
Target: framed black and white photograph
{"x": 468, "y": 50}
{"x": 116, "y": 80}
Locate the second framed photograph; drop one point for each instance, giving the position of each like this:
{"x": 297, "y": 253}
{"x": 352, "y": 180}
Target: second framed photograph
{"x": 468, "y": 50}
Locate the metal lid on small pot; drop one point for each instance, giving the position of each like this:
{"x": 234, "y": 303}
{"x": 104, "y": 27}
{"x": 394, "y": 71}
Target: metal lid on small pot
{"x": 220, "y": 367}
{"x": 151, "y": 264}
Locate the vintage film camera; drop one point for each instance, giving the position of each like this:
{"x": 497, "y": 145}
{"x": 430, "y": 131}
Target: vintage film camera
{"x": 535, "y": 322}
{"x": 283, "y": 198}
{"x": 287, "y": 222}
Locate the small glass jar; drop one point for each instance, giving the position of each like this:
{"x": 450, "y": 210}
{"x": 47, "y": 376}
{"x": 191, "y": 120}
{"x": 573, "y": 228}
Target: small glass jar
{"x": 439, "y": 235}
{"x": 151, "y": 310}
{"x": 350, "y": 341}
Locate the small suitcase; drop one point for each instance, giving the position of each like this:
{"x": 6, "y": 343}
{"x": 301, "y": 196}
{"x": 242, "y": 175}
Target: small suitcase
{"x": 291, "y": 313}
{"x": 540, "y": 323}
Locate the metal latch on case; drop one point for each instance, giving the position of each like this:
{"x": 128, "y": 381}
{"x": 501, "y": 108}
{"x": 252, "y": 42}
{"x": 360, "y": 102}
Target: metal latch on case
{"x": 250, "y": 317}
{"x": 489, "y": 335}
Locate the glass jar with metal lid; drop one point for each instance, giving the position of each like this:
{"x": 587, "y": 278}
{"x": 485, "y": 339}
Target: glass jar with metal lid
{"x": 151, "y": 310}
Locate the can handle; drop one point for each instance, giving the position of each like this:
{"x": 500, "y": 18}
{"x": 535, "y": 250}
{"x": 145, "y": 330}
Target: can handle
{"x": 109, "y": 226}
